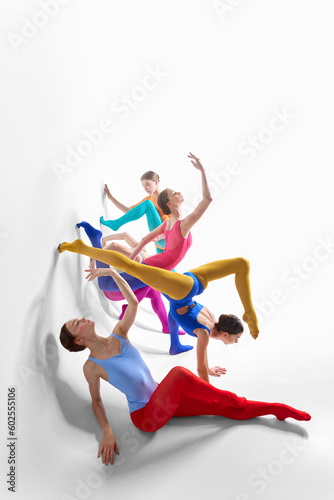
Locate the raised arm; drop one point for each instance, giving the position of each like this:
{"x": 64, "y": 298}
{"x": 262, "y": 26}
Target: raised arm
{"x": 117, "y": 203}
{"x": 152, "y": 236}
{"x": 108, "y": 444}
{"x": 192, "y": 218}
{"x": 123, "y": 326}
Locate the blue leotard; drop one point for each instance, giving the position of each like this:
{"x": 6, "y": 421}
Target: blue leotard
{"x": 188, "y": 321}
{"x": 129, "y": 373}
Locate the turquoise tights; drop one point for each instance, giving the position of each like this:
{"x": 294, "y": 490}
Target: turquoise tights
{"x": 147, "y": 208}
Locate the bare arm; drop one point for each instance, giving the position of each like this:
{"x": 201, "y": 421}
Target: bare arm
{"x": 108, "y": 444}
{"x": 123, "y": 326}
{"x": 202, "y": 357}
{"x": 202, "y": 361}
{"x": 117, "y": 203}
{"x": 192, "y": 218}
{"x": 120, "y": 236}
{"x": 153, "y": 235}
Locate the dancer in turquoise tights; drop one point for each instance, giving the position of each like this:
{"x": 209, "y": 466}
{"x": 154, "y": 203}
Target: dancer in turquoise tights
{"x": 177, "y": 234}
{"x": 148, "y": 206}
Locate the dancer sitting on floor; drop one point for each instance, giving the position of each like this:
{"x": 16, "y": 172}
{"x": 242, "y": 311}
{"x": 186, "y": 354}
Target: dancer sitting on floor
{"x": 151, "y": 405}
{"x": 179, "y": 289}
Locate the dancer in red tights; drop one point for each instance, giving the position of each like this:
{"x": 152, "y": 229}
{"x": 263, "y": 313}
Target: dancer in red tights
{"x": 151, "y": 405}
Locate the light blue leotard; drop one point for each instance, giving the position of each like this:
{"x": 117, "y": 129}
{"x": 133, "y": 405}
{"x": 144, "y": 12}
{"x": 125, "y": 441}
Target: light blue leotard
{"x": 129, "y": 373}
{"x": 188, "y": 321}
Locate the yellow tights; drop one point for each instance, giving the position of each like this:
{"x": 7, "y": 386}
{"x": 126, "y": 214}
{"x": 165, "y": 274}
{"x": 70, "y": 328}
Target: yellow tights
{"x": 177, "y": 285}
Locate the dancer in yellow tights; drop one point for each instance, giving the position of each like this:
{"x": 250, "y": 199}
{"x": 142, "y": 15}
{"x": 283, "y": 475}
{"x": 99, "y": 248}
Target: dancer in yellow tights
{"x": 179, "y": 289}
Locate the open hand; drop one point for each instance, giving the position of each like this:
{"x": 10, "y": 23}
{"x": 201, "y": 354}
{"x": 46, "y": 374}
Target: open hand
{"x": 217, "y": 371}
{"x": 195, "y": 161}
{"x": 106, "y": 189}
{"x": 107, "y": 448}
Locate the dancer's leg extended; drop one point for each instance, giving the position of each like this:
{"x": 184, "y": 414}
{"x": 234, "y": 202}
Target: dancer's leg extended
{"x": 107, "y": 283}
{"x": 182, "y": 394}
{"x": 167, "y": 398}
{"x": 146, "y": 207}
{"x": 153, "y": 218}
{"x": 173, "y": 284}
{"x": 240, "y": 267}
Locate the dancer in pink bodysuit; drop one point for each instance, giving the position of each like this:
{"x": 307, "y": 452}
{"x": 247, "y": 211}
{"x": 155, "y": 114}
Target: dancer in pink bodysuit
{"x": 175, "y": 249}
{"x": 176, "y": 231}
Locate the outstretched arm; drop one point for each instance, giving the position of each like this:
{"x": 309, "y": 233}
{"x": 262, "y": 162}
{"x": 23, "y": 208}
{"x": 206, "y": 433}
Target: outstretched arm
{"x": 115, "y": 202}
{"x": 123, "y": 326}
{"x": 192, "y": 218}
{"x": 152, "y": 236}
{"x": 120, "y": 236}
{"x": 108, "y": 444}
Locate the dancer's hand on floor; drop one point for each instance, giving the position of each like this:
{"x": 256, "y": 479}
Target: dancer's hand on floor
{"x": 107, "y": 448}
{"x": 217, "y": 371}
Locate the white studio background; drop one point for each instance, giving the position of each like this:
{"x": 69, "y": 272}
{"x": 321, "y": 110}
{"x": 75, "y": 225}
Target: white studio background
{"x": 246, "y": 86}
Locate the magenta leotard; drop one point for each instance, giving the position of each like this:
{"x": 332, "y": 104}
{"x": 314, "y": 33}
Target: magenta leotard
{"x": 175, "y": 249}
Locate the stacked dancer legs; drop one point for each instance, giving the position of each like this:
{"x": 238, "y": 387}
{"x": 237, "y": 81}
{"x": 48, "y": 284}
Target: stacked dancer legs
{"x": 110, "y": 289}
{"x": 147, "y": 208}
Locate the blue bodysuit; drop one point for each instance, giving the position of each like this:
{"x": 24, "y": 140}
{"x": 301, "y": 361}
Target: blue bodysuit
{"x": 188, "y": 321}
{"x": 129, "y": 373}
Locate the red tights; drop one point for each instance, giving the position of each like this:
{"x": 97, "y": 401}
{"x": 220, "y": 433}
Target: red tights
{"x": 183, "y": 394}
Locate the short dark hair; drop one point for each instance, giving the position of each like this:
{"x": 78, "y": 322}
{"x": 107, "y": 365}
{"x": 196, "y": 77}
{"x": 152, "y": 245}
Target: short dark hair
{"x": 162, "y": 202}
{"x": 150, "y": 176}
{"x": 67, "y": 340}
{"x": 230, "y": 324}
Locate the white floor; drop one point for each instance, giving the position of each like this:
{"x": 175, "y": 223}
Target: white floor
{"x": 223, "y": 76}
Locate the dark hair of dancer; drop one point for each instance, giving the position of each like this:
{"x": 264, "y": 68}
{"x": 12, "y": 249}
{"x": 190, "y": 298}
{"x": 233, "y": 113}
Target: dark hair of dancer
{"x": 150, "y": 176}
{"x": 67, "y": 340}
{"x": 162, "y": 202}
{"x": 230, "y": 324}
